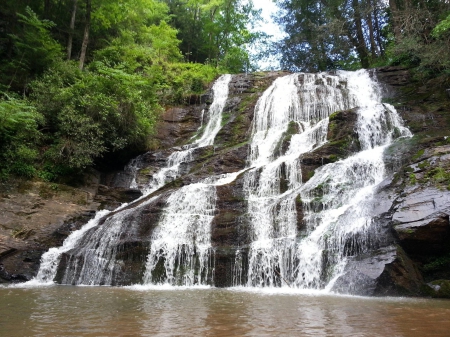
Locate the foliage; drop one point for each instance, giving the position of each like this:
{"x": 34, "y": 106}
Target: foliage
{"x": 332, "y": 34}
{"x": 89, "y": 113}
{"x": 68, "y": 118}
{"x": 215, "y": 32}
{"x": 33, "y": 47}
{"x": 441, "y": 28}
{"x": 421, "y": 38}
{"x": 349, "y": 34}
{"x": 19, "y": 136}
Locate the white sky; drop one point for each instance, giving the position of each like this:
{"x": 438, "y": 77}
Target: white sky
{"x": 268, "y": 8}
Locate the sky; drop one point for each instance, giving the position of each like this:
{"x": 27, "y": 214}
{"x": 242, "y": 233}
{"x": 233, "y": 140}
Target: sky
{"x": 268, "y": 8}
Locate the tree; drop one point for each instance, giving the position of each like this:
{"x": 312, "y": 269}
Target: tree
{"x": 215, "y": 31}
{"x": 326, "y": 34}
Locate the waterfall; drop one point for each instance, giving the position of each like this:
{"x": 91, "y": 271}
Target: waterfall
{"x": 335, "y": 199}
{"x": 291, "y": 120}
{"x": 172, "y": 171}
{"x": 180, "y": 247}
{"x": 94, "y": 247}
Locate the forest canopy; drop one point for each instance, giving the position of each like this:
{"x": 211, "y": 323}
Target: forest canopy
{"x": 352, "y": 34}
{"x": 84, "y": 79}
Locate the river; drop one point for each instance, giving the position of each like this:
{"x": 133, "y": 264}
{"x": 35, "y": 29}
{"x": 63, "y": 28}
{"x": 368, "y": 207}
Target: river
{"x": 142, "y": 311}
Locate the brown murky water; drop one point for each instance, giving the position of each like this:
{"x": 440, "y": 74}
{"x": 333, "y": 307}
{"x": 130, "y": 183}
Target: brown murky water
{"x": 103, "y": 311}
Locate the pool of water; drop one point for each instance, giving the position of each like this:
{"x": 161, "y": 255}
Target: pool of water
{"x": 106, "y": 311}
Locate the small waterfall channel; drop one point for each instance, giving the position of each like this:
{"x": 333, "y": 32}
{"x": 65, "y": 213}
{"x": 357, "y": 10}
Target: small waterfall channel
{"x": 291, "y": 119}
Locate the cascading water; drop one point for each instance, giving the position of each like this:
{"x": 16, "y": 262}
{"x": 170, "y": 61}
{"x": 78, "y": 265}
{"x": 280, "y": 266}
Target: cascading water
{"x": 336, "y": 218}
{"x": 94, "y": 262}
{"x": 181, "y": 252}
{"x": 172, "y": 171}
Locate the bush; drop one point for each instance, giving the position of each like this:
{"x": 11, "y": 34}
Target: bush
{"x": 92, "y": 112}
{"x": 19, "y": 136}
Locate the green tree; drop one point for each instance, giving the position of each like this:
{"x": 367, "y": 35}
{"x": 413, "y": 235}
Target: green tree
{"x": 215, "y": 31}
{"x": 34, "y": 49}
{"x": 325, "y": 34}
{"x": 90, "y": 113}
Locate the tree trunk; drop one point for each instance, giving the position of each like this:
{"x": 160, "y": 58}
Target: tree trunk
{"x": 395, "y": 22}
{"x": 86, "y": 34}
{"x": 360, "y": 43}
{"x": 378, "y": 30}
{"x": 373, "y": 46}
{"x": 71, "y": 29}
{"x": 46, "y": 9}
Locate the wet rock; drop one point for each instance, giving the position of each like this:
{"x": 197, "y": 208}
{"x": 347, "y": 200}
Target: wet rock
{"x": 342, "y": 142}
{"x": 111, "y": 198}
{"x": 230, "y": 230}
{"x": 395, "y": 76}
{"x": 421, "y": 221}
{"x": 438, "y": 289}
{"x": 386, "y": 272}
{"x": 120, "y": 179}
{"x": 131, "y": 246}
{"x": 177, "y": 124}
{"x": 176, "y": 115}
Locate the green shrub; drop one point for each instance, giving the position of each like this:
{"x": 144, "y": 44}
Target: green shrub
{"x": 19, "y": 136}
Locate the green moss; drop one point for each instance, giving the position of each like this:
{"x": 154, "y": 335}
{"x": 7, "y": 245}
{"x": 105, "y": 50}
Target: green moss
{"x": 22, "y": 233}
{"x": 418, "y": 154}
{"x": 406, "y": 231}
{"x": 439, "y": 175}
{"x": 334, "y": 115}
{"x": 310, "y": 175}
{"x": 46, "y": 192}
{"x": 437, "y": 263}
{"x": 225, "y": 118}
{"x": 144, "y": 171}
{"x": 423, "y": 165}
{"x": 332, "y": 126}
{"x": 292, "y": 128}
{"x": 412, "y": 179}
{"x": 443, "y": 288}
{"x": 333, "y": 158}
{"x": 198, "y": 133}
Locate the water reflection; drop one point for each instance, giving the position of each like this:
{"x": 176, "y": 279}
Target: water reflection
{"x": 103, "y": 311}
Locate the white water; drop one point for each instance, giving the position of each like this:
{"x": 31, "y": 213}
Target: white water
{"x": 172, "y": 171}
{"x": 180, "y": 248}
{"x": 95, "y": 262}
{"x": 334, "y": 200}
{"x": 50, "y": 260}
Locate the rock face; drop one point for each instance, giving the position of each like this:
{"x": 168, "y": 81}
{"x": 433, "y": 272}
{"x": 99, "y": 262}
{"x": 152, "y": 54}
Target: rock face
{"x": 418, "y": 194}
{"x": 342, "y": 142}
{"x": 230, "y": 232}
{"x": 35, "y": 216}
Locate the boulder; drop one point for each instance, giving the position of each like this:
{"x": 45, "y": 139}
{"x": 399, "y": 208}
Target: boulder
{"x": 385, "y": 272}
